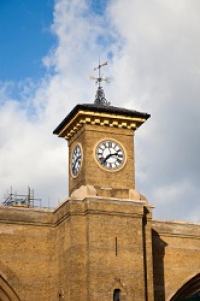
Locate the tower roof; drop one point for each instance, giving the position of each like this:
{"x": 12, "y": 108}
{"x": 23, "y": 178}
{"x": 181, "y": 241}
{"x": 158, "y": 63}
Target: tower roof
{"x": 103, "y": 115}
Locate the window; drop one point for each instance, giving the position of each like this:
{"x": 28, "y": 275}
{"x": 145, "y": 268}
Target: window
{"x": 116, "y": 295}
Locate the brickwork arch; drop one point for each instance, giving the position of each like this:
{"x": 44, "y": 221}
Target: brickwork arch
{"x": 190, "y": 288}
{"x": 6, "y": 291}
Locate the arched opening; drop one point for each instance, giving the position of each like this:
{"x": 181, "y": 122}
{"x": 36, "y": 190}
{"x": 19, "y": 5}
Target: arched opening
{"x": 116, "y": 295}
{"x": 190, "y": 290}
{"x": 6, "y": 291}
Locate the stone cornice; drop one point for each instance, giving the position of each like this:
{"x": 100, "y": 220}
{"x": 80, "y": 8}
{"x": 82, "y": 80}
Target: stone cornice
{"x": 90, "y": 205}
{"x": 26, "y": 216}
{"x": 102, "y": 119}
{"x": 176, "y": 228}
{"x": 99, "y": 115}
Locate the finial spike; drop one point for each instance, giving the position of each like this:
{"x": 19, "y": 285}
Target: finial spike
{"x": 100, "y": 95}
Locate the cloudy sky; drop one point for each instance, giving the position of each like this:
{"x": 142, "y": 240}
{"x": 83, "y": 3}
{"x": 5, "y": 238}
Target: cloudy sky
{"x": 49, "y": 48}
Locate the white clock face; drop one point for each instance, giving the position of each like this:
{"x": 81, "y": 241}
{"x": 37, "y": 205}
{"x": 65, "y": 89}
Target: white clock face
{"x": 76, "y": 160}
{"x": 110, "y": 155}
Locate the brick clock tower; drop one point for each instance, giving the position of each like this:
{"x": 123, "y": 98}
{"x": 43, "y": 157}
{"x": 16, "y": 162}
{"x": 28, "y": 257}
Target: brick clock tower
{"x": 104, "y": 255}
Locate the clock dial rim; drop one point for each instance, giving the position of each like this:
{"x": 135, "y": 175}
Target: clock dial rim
{"x": 81, "y": 163}
{"x": 108, "y": 139}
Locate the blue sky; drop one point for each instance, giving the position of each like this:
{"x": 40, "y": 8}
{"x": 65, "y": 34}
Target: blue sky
{"x": 25, "y": 37}
{"x": 98, "y": 6}
{"x": 47, "y": 52}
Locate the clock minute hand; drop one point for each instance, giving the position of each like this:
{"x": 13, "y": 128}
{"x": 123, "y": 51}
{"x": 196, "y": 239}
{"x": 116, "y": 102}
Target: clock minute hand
{"x": 115, "y": 154}
{"x": 79, "y": 157}
{"x": 76, "y": 161}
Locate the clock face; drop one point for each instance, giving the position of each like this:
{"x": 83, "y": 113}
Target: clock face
{"x": 110, "y": 155}
{"x": 76, "y": 160}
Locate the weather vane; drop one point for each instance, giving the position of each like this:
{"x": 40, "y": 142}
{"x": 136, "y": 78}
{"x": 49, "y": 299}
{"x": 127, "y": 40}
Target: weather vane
{"x": 100, "y": 95}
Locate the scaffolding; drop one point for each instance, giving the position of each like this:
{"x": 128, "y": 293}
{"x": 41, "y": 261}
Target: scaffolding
{"x": 21, "y": 200}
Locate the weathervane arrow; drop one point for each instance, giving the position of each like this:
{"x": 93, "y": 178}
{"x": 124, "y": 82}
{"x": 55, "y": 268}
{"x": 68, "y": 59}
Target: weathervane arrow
{"x": 100, "y": 95}
{"x": 99, "y": 67}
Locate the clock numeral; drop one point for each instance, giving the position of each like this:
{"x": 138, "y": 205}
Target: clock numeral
{"x": 108, "y": 165}
{"x": 101, "y": 148}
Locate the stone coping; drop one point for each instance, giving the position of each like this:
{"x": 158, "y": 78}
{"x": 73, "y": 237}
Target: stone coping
{"x": 176, "y": 228}
{"x": 94, "y": 205}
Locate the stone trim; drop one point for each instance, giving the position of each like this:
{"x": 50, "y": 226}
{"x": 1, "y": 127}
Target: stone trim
{"x": 176, "y": 229}
{"x": 88, "y": 205}
{"x": 101, "y": 119}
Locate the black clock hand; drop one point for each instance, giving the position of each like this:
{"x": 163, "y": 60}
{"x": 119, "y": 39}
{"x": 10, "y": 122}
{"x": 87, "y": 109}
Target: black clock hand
{"x": 76, "y": 163}
{"x": 107, "y": 157}
{"x": 79, "y": 157}
{"x": 115, "y": 154}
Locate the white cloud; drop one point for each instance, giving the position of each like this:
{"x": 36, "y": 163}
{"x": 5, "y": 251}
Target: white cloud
{"x": 154, "y": 66}
{"x": 30, "y": 154}
{"x": 161, "y": 49}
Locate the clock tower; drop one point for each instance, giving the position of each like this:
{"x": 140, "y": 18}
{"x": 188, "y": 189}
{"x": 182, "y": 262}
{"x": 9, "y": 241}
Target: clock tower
{"x": 101, "y": 146}
{"x": 108, "y": 221}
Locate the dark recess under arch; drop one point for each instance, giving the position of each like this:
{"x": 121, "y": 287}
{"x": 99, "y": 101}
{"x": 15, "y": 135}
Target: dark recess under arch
{"x": 190, "y": 289}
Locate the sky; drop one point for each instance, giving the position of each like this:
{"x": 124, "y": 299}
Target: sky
{"x": 49, "y": 48}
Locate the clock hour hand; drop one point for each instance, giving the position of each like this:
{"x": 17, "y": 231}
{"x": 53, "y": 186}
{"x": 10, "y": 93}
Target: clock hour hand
{"x": 79, "y": 157}
{"x": 107, "y": 157}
